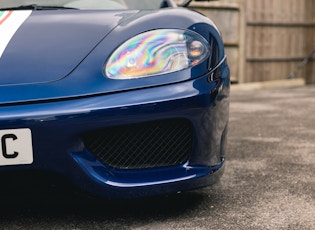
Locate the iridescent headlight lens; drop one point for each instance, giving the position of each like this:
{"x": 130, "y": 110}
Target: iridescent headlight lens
{"x": 157, "y": 52}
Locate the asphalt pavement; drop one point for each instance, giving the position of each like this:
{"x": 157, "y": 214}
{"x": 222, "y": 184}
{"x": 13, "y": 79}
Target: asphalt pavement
{"x": 269, "y": 181}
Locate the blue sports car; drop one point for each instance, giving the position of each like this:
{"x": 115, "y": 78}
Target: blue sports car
{"x": 123, "y": 98}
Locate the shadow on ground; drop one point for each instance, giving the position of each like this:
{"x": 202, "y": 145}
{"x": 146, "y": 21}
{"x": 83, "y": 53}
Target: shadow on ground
{"x": 26, "y": 201}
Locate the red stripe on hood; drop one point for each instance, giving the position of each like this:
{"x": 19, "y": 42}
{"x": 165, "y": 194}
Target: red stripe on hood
{"x": 6, "y": 17}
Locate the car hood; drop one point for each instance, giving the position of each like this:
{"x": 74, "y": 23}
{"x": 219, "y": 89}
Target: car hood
{"x": 60, "y": 54}
{"x": 48, "y": 45}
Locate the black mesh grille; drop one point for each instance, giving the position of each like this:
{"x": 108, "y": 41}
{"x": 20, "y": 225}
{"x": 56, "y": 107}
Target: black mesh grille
{"x": 145, "y": 145}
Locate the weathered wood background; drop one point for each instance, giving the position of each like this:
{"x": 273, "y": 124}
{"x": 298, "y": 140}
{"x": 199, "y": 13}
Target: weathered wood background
{"x": 265, "y": 39}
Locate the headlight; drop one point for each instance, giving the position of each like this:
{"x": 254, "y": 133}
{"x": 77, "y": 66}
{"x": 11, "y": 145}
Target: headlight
{"x": 157, "y": 52}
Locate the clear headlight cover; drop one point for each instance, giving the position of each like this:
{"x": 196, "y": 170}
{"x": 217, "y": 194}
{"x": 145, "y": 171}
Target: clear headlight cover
{"x": 157, "y": 52}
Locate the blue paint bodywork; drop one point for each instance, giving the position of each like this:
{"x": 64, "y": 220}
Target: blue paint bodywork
{"x": 52, "y": 82}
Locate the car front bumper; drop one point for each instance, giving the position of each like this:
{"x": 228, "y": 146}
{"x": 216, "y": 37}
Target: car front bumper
{"x": 58, "y": 129}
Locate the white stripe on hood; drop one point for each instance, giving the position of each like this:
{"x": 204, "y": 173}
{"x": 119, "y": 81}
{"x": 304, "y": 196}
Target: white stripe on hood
{"x": 10, "y": 23}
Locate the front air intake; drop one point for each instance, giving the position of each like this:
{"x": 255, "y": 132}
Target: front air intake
{"x": 141, "y": 146}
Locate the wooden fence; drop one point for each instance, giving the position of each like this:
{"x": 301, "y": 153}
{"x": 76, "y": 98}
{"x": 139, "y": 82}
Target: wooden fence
{"x": 265, "y": 39}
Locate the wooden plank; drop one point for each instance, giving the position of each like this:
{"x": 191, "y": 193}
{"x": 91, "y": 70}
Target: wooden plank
{"x": 226, "y": 16}
{"x": 242, "y": 42}
{"x": 265, "y": 39}
{"x": 275, "y": 39}
{"x": 310, "y": 42}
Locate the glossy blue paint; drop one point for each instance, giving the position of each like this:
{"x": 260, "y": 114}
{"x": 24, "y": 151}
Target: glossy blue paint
{"x": 50, "y": 44}
{"x": 57, "y": 128}
{"x": 60, "y": 104}
{"x": 59, "y": 59}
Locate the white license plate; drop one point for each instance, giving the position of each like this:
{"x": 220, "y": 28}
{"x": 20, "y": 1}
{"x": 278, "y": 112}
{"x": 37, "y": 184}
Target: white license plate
{"x": 16, "y": 147}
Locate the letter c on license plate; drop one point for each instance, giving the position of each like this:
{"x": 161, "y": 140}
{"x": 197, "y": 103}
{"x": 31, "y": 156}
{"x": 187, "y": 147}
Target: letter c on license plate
{"x": 16, "y": 147}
